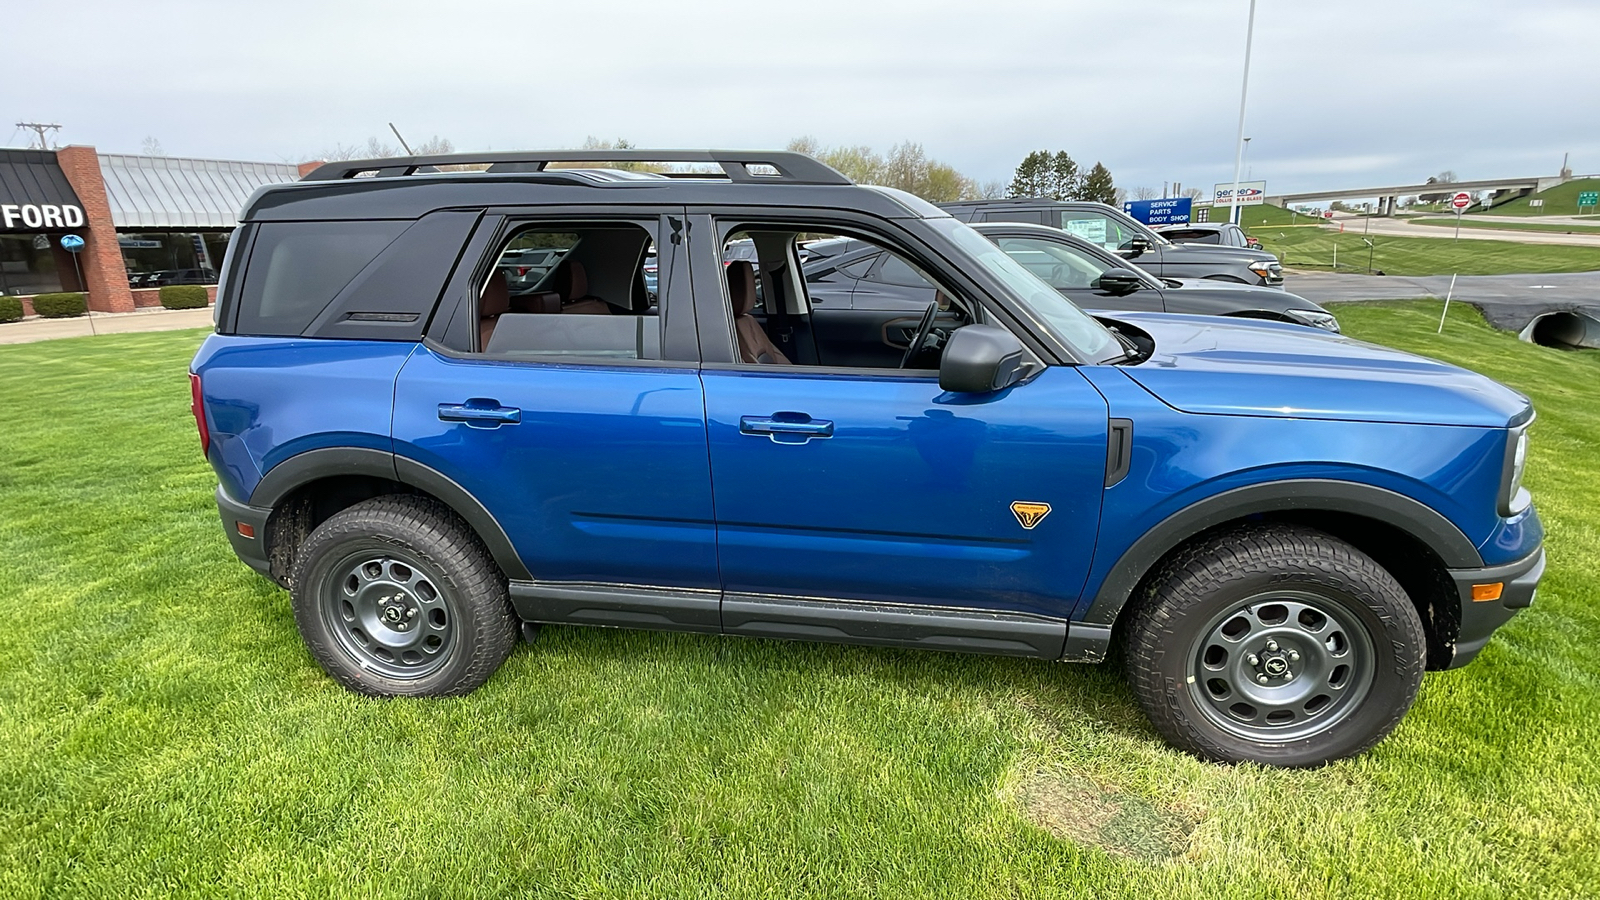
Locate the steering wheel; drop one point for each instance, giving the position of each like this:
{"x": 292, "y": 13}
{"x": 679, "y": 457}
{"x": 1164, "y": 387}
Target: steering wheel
{"x": 924, "y": 328}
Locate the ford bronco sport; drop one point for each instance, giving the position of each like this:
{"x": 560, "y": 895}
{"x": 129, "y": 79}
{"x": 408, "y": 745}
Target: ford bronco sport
{"x": 1280, "y": 528}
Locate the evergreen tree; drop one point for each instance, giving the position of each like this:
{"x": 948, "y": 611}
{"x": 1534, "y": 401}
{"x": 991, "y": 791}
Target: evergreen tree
{"x": 1063, "y": 177}
{"x": 1097, "y": 186}
{"x": 1032, "y": 178}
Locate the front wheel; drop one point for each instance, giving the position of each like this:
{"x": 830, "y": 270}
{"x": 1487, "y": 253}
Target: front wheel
{"x": 1275, "y": 644}
{"x": 395, "y": 596}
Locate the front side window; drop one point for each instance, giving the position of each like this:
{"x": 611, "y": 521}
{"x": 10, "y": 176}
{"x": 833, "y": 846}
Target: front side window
{"x": 566, "y": 292}
{"x": 896, "y": 270}
{"x": 1098, "y": 228}
{"x": 1057, "y": 265}
{"x": 789, "y": 312}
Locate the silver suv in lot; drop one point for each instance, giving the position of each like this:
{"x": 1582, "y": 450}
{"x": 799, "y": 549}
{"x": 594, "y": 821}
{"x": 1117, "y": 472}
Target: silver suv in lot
{"x": 1129, "y": 238}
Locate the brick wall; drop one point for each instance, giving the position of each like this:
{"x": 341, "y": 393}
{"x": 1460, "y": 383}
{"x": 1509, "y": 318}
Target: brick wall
{"x": 101, "y": 258}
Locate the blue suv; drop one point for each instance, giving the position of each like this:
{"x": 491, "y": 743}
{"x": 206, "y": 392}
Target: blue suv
{"x": 1276, "y": 528}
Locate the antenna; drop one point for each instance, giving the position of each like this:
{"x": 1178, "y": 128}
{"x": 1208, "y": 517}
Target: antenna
{"x": 401, "y": 139}
{"x": 40, "y": 128}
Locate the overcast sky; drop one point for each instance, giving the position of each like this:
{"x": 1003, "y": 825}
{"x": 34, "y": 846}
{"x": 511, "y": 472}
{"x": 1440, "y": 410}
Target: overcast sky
{"x": 1342, "y": 94}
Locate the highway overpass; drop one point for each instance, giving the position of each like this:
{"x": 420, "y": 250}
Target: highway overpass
{"x": 1387, "y": 196}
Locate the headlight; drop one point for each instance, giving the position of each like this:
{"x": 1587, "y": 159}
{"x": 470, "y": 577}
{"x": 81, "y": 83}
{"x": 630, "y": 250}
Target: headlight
{"x": 1267, "y": 268}
{"x": 1513, "y": 498}
{"x": 1316, "y": 318}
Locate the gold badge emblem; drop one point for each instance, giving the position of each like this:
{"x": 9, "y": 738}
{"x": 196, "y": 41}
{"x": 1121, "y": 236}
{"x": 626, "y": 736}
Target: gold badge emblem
{"x": 1028, "y": 513}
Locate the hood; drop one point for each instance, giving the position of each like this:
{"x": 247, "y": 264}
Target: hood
{"x": 1242, "y": 367}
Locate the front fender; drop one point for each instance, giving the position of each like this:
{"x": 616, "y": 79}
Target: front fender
{"x": 1438, "y": 533}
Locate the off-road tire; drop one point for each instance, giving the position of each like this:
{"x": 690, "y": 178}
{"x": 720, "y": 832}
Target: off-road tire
{"x": 433, "y": 542}
{"x": 1163, "y": 647}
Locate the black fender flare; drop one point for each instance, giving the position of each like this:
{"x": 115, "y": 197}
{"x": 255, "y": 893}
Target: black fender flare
{"x": 325, "y": 462}
{"x": 1422, "y": 522}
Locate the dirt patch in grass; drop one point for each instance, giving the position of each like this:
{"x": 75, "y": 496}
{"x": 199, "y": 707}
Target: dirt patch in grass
{"x": 1078, "y": 810}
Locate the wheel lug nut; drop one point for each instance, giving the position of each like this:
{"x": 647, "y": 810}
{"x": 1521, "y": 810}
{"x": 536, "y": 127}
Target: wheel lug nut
{"x": 1254, "y": 659}
{"x": 1262, "y": 678}
{"x": 1294, "y": 655}
{"x": 1272, "y": 645}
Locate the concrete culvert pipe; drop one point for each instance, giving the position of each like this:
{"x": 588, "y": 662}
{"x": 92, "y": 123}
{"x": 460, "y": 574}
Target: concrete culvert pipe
{"x": 1564, "y": 330}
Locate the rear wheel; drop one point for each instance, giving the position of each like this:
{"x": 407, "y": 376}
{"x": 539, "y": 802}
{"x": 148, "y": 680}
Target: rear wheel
{"x": 395, "y": 596}
{"x": 1276, "y": 644}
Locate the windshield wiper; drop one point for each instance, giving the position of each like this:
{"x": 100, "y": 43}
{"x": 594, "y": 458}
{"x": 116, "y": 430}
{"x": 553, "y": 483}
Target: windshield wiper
{"x": 1130, "y": 350}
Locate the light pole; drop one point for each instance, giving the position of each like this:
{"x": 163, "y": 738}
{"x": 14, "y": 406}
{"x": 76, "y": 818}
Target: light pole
{"x": 1246, "y": 157}
{"x": 1244, "y": 92}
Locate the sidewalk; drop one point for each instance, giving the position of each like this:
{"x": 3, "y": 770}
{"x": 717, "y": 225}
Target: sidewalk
{"x": 39, "y": 329}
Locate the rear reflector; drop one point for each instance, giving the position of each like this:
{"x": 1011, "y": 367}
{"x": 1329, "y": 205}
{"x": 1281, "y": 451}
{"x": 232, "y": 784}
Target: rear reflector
{"x": 198, "y": 407}
{"x": 1485, "y": 592}
{"x": 245, "y": 530}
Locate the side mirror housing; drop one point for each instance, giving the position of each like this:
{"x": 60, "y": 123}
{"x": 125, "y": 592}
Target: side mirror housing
{"x": 980, "y": 359}
{"x": 1137, "y": 247}
{"x": 1119, "y": 281}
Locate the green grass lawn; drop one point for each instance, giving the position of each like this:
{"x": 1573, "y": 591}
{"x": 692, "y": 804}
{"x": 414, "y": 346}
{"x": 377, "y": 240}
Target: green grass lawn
{"x": 1469, "y": 222}
{"x": 1312, "y": 249}
{"x": 1561, "y": 200}
{"x": 163, "y": 733}
{"x": 1253, "y": 217}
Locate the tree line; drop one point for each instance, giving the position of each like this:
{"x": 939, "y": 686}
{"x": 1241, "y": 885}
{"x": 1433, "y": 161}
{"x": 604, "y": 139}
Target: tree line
{"x": 1055, "y": 176}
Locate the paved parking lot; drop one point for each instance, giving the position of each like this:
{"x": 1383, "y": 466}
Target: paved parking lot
{"x": 1508, "y": 301}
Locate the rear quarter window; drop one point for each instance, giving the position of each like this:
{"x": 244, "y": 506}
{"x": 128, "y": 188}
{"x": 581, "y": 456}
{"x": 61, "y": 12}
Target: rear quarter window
{"x": 297, "y": 268}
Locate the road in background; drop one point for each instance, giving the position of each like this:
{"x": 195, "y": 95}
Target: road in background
{"x": 1387, "y": 227}
{"x": 1507, "y": 301}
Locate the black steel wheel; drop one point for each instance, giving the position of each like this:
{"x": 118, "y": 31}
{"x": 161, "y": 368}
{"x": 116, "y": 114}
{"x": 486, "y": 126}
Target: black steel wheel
{"x": 387, "y": 614}
{"x": 1276, "y": 644}
{"x": 1281, "y": 665}
{"x": 395, "y": 596}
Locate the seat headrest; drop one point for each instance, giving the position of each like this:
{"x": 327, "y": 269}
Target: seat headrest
{"x": 741, "y": 287}
{"x": 570, "y": 280}
{"x": 496, "y": 298}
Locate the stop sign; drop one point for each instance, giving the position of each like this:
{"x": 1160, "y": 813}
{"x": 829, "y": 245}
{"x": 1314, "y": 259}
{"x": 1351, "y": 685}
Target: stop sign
{"x": 1461, "y": 200}
{"x": 1327, "y": 214}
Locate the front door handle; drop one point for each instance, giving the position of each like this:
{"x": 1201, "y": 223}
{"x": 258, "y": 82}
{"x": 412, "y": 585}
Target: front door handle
{"x": 480, "y": 412}
{"x": 786, "y": 427}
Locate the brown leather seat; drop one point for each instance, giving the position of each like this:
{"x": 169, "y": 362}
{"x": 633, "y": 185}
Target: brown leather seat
{"x": 754, "y": 345}
{"x": 572, "y": 283}
{"x": 541, "y": 302}
{"x": 492, "y": 304}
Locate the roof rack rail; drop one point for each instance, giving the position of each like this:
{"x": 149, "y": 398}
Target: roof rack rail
{"x": 738, "y": 165}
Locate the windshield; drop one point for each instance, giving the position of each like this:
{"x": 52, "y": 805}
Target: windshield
{"x": 1088, "y": 338}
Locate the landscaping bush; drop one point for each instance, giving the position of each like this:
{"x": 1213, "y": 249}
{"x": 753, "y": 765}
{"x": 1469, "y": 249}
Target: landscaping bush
{"x": 59, "y": 306}
{"x": 183, "y": 296}
{"x": 10, "y": 309}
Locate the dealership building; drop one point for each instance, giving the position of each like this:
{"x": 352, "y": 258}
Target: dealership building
{"x": 136, "y": 215}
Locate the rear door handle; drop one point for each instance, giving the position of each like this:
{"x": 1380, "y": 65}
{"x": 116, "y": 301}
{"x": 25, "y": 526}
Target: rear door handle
{"x": 786, "y": 427}
{"x": 480, "y": 412}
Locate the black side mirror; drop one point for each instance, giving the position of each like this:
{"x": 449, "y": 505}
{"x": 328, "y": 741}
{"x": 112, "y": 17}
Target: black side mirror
{"x": 979, "y": 359}
{"x": 1137, "y": 247}
{"x": 1118, "y": 282}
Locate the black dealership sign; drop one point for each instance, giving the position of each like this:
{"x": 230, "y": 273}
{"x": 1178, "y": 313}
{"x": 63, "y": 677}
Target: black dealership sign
{"x": 35, "y": 194}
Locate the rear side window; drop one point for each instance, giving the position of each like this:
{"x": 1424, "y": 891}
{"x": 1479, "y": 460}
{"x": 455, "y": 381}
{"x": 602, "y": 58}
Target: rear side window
{"x": 297, "y": 268}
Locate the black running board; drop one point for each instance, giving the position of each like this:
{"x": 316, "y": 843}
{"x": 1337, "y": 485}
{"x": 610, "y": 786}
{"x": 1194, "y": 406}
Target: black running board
{"x": 790, "y": 618}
